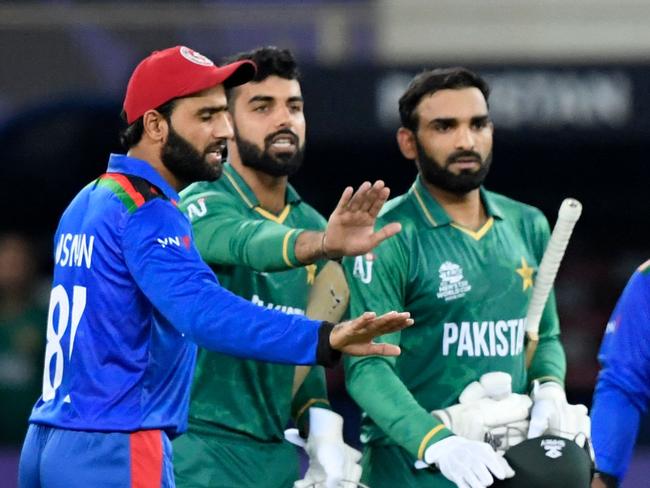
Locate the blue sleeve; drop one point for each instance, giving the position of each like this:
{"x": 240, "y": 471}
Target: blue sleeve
{"x": 623, "y": 387}
{"x": 158, "y": 249}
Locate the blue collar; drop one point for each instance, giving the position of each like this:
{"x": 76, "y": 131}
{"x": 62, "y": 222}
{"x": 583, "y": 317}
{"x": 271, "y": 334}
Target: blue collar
{"x": 120, "y": 163}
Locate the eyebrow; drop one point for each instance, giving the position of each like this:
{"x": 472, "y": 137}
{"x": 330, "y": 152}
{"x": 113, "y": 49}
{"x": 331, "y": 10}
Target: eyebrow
{"x": 480, "y": 118}
{"x": 212, "y": 109}
{"x": 454, "y": 120}
{"x": 268, "y": 98}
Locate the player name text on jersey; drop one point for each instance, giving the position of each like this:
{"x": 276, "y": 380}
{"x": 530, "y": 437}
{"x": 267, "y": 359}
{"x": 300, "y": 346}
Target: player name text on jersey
{"x": 74, "y": 250}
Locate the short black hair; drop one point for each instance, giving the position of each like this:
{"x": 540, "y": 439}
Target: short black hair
{"x": 431, "y": 81}
{"x": 270, "y": 61}
{"x": 131, "y": 134}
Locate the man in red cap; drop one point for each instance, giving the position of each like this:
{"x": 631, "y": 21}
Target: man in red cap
{"x": 131, "y": 297}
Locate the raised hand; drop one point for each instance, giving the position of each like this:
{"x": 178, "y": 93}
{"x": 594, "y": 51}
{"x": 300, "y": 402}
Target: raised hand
{"x": 351, "y": 227}
{"x": 354, "y": 337}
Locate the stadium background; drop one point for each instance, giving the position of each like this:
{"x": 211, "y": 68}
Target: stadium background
{"x": 570, "y": 103}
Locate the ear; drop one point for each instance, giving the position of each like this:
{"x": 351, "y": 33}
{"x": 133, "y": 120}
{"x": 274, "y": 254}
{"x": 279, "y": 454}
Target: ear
{"x": 155, "y": 125}
{"x": 406, "y": 143}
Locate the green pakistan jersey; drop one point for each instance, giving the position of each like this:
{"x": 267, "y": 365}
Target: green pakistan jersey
{"x": 468, "y": 293}
{"x": 252, "y": 252}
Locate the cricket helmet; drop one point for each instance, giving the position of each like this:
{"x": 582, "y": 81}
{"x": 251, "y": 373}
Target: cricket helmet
{"x": 548, "y": 461}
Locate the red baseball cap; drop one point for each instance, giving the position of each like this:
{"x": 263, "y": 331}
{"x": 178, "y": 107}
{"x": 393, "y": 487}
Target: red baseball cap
{"x": 177, "y": 72}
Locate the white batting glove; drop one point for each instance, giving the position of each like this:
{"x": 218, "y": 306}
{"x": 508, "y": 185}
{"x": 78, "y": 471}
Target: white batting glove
{"x": 330, "y": 459}
{"x": 552, "y": 413}
{"x": 489, "y": 407}
{"x": 469, "y": 464}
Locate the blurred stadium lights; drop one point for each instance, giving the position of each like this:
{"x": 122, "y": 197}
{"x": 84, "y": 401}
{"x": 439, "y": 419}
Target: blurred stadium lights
{"x": 513, "y": 30}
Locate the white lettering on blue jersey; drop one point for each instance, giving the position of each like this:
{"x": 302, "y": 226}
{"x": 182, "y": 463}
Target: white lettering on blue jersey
{"x": 282, "y": 308}
{"x": 74, "y": 250}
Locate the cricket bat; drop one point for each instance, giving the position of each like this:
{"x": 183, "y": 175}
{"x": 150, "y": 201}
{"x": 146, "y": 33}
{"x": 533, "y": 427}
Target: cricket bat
{"x": 328, "y": 300}
{"x": 568, "y": 215}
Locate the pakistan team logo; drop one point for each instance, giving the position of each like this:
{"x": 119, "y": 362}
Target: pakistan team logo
{"x": 453, "y": 284}
{"x": 363, "y": 267}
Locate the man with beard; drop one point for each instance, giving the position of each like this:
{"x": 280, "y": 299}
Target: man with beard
{"x": 131, "y": 296}
{"x": 250, "y": 226}
{"x": 463, "y": 266}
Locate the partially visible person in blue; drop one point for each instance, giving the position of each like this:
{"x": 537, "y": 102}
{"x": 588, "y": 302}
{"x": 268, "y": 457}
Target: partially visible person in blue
{"x": 131, "y": 297}
{"x": 623, "y": 388}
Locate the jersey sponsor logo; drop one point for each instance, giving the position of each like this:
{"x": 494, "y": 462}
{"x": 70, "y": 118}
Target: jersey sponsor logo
{"x": 177, "y": 241}
{"x": 453, "y": 284}
{"x": 195, "y": 57}
{"x": 362, "y": 269}
{"x": 74, "y": 250}
{"x": 197, "y": 209}
{"x": 487, "y": 338}
{"x": 282, "y": 308}
{"x": 553, "y": 447}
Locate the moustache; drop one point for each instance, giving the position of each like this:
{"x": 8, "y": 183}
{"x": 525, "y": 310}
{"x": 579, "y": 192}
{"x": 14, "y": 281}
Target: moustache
{"x": 455, "y": 156}
{"x": 219, "y": 146}
{"x": 268, "y": 140}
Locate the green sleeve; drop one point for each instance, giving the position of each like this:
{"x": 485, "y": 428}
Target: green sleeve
{"x": 373, "y": 381}
{"x": 549, "y": 362}
{"x": 312, "y": 393}
{"x": 225, "y": 235}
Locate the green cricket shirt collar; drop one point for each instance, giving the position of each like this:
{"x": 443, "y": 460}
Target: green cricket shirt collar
{"x": 245, "y": 192}
{"x": 433, "y": 212}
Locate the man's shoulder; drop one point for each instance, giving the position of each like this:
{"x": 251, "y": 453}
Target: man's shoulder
{"x": 310, "y": 214}
{"x": 399, "y": 209}
{"x": 212, "y": 191}
{"x": 201, "y": 187}
{"x": 514, "y": 208}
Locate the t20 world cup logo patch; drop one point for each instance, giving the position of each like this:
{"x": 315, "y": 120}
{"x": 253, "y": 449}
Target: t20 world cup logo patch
{"x": 453, "y": 284}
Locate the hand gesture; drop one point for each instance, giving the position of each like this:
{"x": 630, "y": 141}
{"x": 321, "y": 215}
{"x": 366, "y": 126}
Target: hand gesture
{"x": 351, "y": 227}
{"x": 355, "y": 336}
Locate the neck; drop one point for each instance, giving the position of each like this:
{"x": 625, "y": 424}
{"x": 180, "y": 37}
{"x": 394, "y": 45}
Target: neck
{"x": 149, "y": 155}
{"x": 466, "y": 209}
{"x": 270, "y": 190}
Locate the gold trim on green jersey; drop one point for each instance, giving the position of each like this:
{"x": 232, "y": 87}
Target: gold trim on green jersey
{"x": 285, "y": 248}
{"x": 427, "y": 214}
{"x": 275, "y": 218}
{"x": 311, "y": 402}
{"x": 264, "y": 213}
{"x": 427, "y": 438}
{"x": 476, "y": 235}
{"x": 239, "y": 190}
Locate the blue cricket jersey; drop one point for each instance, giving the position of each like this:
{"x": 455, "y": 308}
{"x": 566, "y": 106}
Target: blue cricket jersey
{"x": 623, "y": 388}
{"x": 130, "y": 300}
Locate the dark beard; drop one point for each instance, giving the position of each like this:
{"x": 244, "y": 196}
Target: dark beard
{"x": 438, "y": 175}
{"x": 185, "y": 162}
{"x": 281, "y": 164}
